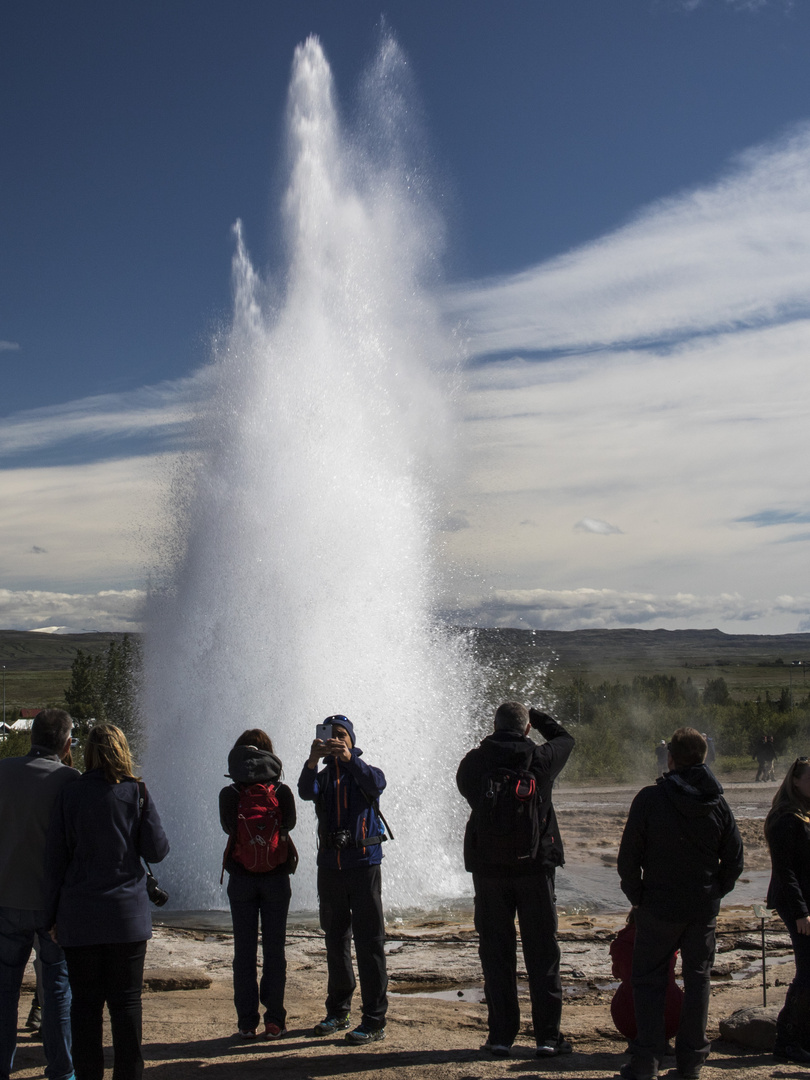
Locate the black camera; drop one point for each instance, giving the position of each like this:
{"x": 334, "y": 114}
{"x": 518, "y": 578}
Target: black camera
{"x": 157, "y": 895}
{"x": 340, "y": 839}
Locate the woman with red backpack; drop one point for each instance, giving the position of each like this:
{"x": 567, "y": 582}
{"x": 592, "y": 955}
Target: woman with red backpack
{"x": 257, "y": 812}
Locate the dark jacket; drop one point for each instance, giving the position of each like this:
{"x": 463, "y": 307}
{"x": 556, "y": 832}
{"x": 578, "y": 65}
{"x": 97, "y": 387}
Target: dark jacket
{"x": 789, "y": 890}
{"x": 507, "y": 749}
{"x": 344, "y": 794}
{"x": 29, "y": 788}
{"x": 95, "y": 881}
{"x": 247, "y": 765}
{"x": 681, "y": 849}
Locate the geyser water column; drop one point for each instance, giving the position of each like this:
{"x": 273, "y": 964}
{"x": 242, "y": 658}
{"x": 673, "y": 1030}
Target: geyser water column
{"x": 301, "y": 581}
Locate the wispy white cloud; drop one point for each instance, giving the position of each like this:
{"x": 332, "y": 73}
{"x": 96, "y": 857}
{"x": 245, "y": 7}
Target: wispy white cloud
{"x": 9, "y": 346}
{"x": 109, "y": 609}
{"x": 91, "y": 527}
{"x": 673, "y": 396}
{"x": 569, "y": 609}
{"x": 596, "y": 525}
{"x": 161, "y": 414}
{"x": 736, "y": 253}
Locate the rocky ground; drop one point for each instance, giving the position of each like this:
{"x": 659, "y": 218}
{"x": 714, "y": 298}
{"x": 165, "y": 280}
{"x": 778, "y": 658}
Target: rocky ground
{"x": 437, "y": 1021}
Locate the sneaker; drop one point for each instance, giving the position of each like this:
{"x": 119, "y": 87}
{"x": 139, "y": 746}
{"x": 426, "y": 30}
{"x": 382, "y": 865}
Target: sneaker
{"x": 364, "y": 1034}
{"x": 247, "y": 1033}
{"x": 273, "y": 1031}
{"x": 332, "y": 1024}
{"x": 552, "y": 1047}
{"x": 627, "y": 1073}
{"x": 34, "y": 1021}
{"x": 498, "y": 1050}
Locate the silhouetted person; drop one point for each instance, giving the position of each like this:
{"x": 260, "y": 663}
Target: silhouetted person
{"x": 512, "y": 846}
{"x": 680, "y": 853}
{"x": 29, "y": 788}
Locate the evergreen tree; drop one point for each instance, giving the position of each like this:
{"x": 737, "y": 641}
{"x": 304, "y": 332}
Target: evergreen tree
{"x": 84, "y": 696}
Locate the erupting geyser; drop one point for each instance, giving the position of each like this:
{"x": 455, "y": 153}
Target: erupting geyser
{"x": 303, "y": 583}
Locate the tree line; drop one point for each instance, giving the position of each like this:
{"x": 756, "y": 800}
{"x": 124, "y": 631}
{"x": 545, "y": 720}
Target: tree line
{"x": 104, "y": 687}
{"x": 617, "y": 724}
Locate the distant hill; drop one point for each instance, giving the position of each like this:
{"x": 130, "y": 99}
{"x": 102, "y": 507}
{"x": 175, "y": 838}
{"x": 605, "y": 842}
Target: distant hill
{"x": 642, "y": 650}
{"x": 29, "y": 650}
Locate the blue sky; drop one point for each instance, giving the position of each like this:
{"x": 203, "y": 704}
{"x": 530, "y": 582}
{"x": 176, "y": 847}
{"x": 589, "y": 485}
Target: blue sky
{"x": 625, "y": 189}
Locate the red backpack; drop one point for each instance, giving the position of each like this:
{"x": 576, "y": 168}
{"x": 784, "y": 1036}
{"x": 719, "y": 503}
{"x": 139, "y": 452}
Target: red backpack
{"x": 258, "y": 844}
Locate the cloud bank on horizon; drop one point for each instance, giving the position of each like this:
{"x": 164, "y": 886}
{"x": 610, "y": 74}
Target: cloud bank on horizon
{"x": 633, "y": 425}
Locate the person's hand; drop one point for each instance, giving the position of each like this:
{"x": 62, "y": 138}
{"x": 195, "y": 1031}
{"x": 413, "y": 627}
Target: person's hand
{"x": 52, "y": 935}
{"x": 536, "y": 718}
{"x": 338, "y": 749}
{"x": 316, "y": 752}
{"x": 803, "y": 925}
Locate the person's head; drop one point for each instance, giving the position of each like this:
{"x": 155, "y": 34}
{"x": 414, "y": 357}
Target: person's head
{"x": 793, "y": 794}
{"x": 687, "y": 747}
{"x": 255, "y": 737}
{"x": 342, "y": 728}
{"x": 51, "y": 729}
{"x": 107, "y": 749}
{"x": 512, "y": 716}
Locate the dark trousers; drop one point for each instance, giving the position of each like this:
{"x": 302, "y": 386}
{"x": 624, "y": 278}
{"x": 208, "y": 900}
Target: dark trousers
{"x": 111, "y": 974}
{"x": 350, "y": 905}
{"x": 255, "y": 897}
{"x": 656, "y": 941}
{"x": 801, "y": 951}
{"x": 532, "y": 899}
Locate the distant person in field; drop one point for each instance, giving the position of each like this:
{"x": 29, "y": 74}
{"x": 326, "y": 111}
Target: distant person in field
{"x": 661, "y": 753}
{"x": 765, "y": 755}
{"x": 351, "y": 831}
{"x": 771, "y": 759}
{"x": 512, "y": 847}
{"x": 711, "y": 752}
{"x": 680, "y": 853}
{"x": 29, "y": 788}
{"x": 257, "y": 812}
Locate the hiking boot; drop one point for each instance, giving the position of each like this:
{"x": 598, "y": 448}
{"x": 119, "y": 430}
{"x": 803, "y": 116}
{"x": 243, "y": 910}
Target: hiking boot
{"x": 365, "y": 1034}
{"x": 247, "y": 1033}
{"x": 330, "y": 1025}
{"x": 34, "y": 1021}
{"x": 273, "y": 1031}
{"x": 552, "y": 1047}
{"x": 627, "y": 1072}
{"x": 498, "y": 1050}
{"x": 791, "y": 1052}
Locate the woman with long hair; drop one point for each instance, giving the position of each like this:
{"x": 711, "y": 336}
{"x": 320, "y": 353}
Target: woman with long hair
{"x": 99, "y": 833}
{"x": 257, "y": 812}
{"x": 787, "y": 831}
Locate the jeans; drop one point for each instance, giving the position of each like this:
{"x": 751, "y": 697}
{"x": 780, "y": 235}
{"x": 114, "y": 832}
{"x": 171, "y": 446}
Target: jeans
{"x": 801, "y": 950}
{"x": 18, "y": 928}
{"x": 497, "y": 901}
{"x": 111, "y": 973}
{"x": 253, "y": 897}
{"x": 350, "y": 905}
{"x": 656, "y": 941}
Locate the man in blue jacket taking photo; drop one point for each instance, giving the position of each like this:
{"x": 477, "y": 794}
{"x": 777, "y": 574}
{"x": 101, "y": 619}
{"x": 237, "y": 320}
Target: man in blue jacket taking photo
{"x": 350, "y": 833}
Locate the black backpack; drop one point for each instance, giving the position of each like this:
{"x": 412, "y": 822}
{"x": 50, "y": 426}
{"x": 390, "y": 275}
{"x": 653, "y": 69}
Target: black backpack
{"x": 510, "y": 820}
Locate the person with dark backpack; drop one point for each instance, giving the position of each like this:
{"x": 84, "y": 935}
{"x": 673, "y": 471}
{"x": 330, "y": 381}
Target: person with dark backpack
{"x": 512, "y": 847}
{"x": 257, "y": 812}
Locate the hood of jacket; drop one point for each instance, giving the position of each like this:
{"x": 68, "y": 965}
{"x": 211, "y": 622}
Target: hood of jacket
{"x": 507, "y": 749}
{"x": 249, "y": 765}
{"x": 694, "y": 791}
